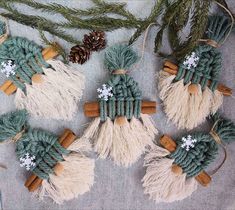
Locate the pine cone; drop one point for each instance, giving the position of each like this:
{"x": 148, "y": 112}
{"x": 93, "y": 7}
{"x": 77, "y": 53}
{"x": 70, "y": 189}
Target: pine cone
{"x": 79, "y": 54}
{"x": 95, "y": 41}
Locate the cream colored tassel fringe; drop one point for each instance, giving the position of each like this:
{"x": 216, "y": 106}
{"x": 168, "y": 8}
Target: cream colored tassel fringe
{"x": 76, "y": 178}
{"x": 184, "y": 109}
{"x": 123, "y": 143}
{"x": 160, "y": 183}
{"x": 57, "y": 96}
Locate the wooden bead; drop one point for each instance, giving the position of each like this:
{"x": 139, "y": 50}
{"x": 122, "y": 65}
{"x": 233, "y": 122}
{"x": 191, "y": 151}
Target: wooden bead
{"x": 37, "y": 78}
{"x": 121, "y": 120}
{"x": 58, "y": 169}
{"x": 176, "y": 169}
{"x": 193, "y": 89}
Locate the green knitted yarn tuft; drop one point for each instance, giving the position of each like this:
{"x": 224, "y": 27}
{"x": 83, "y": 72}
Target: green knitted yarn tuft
{"x": 35, "y": 142}
{"x": 11, "y": 124}
{"x": 209, "y": 64}
{"x": 120, "y": 57}
{"x": 205, "y": 149}
{"x": 2, "y": 28}
{"x": 126, "y": 99}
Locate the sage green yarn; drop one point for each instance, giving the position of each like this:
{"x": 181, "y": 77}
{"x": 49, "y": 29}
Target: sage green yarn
{"x": 26, "y": 55}
{"x": 126, "y": 99}
{"x": 210, "y": 59}
{"x": 41, "y": 144}
{"x": 2, "y": 28}
{"x": 205, "y": 149}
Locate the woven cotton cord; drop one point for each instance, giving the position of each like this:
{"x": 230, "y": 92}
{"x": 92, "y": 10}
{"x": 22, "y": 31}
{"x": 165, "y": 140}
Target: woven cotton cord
{"x": 206, "y": 148}
{"x": 26, "y": 56}
{"x": 209, "y": 62}
{"x": 126, "y": 99}
{"x": 46, "y": 149}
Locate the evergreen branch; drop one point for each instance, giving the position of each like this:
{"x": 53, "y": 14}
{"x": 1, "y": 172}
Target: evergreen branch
{"x": 37, "y": 22}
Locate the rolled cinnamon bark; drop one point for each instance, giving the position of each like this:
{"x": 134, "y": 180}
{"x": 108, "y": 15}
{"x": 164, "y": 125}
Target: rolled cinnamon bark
{"x": 168, "y": 143}
{"x": 67, "y": 138}
{"x": 92, "y": 109}
{"x": 173, "y": 69}
{"x": 8, "y": 86}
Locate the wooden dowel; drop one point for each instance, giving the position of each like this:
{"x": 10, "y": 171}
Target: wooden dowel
{"x": 173, "y": 69}
{"x": 67, "y": 138}
{"x": 92, "y": 109}
{"x": 8, "y": 86}
{"x": 168, "y": 143}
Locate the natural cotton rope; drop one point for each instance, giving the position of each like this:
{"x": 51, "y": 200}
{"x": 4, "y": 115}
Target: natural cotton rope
{"x": 18, "y": 136}
{"x": 119, "y": 71}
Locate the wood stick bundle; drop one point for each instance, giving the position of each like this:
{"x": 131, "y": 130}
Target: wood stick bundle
{"x": 8, "y": 86}
{"x": 67, "y": 138}
{"x": 168, "y": 143}
{"x": 171, "y": 68}
{"x": 92, "y": 109}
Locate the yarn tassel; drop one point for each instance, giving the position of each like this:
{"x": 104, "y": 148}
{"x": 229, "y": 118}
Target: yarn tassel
{"x": 56, "y": 96}
{"x": 124, "y": 143}
{"x": 76, "y": 178}
{"x": 187, "y": 110}
{"x": 160, "y": 182}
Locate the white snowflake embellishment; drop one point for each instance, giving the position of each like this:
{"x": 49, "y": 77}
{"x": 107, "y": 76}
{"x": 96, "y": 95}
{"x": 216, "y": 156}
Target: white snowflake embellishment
{"x": 8, "y": 68}
{"x": 27, "y": 161}
{"x": 191, "y": 61}
{"x": 188, "y": 142}
{"x": 105, "y": 92}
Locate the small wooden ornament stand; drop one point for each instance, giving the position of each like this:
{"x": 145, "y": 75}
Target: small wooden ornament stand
{"x": 8, "y": 86}
{"x": 168, "y": 143}
{"x": 67, "y": 138}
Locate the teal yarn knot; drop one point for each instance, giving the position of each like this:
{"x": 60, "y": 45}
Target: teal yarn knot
{"x": 41, "y": 144}
{"x": 2, "y": 28}
{"x": 26, "y": 55}
{"x": 205, "y": 149}
{"x": 209, "y": 65}
{"x": 127, "y": 97}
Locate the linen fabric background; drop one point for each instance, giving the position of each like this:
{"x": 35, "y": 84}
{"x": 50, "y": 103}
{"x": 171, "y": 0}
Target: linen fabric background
{"x": 116, "y": 187}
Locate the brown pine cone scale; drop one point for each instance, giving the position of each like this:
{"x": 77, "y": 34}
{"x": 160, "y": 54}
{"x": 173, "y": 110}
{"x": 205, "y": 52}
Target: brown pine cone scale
{"x": 95, "y": 41}
{"x": 79, "y": 54}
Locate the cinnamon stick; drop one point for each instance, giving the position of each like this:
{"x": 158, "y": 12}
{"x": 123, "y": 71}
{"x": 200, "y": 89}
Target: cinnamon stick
{"x": 171, "y": 68}
{"x": 168, "y": 143}
{"x": 67, "y": 138}
{"x": 8, "y": 86}
{"x": 92, "y": 109}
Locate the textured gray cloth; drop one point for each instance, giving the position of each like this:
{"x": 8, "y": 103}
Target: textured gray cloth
{"x": 116, "y": 187}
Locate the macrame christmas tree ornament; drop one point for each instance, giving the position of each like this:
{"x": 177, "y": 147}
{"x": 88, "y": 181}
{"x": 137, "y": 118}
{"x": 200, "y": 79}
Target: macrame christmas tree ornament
{"x": 122, "y": 128}
{"x": 173, "y": 171}
{"x": 60, "y": 168}
{"x": 45, "y": 87}
{"x": 190, "y": 91}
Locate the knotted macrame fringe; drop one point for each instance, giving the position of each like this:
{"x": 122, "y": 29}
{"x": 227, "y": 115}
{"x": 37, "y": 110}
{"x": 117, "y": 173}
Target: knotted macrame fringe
{"x": 76, "y": 178}
{"x": 184, "y": 109}
{"x": 123, "y": 143}
{"x": 160, "y": 183}
{"x": 57, "y": 96}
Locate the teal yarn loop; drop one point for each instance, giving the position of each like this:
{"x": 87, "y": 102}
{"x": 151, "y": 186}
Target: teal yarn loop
{"x": 41, "y": 144}
{"x": 209, "y": 64}
{"x": 26, "y": 56}
{"x": 2, "y": 28}
{"x": 127, "y": 97}
{"x": 205, "y": 149}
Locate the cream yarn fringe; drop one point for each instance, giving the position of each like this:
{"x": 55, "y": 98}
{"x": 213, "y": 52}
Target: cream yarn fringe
{"x": 184, "y": 109}
{"x": 160, "y": 183}
{"x": 76, "y": 179}
{"x": 122, "y": 143}
{"x": 57, "y": 96}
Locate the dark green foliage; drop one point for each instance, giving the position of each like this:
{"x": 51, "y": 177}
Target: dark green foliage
{"x": 174, "y": 16}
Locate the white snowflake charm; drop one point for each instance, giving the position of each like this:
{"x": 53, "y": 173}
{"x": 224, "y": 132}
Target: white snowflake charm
{"x": 191, "y": 61}
{"x": 27, "y": 161}
{"x": 105, "y": 92}
{"x": 8, "y": 68}
{"x": 188, "y": 142}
